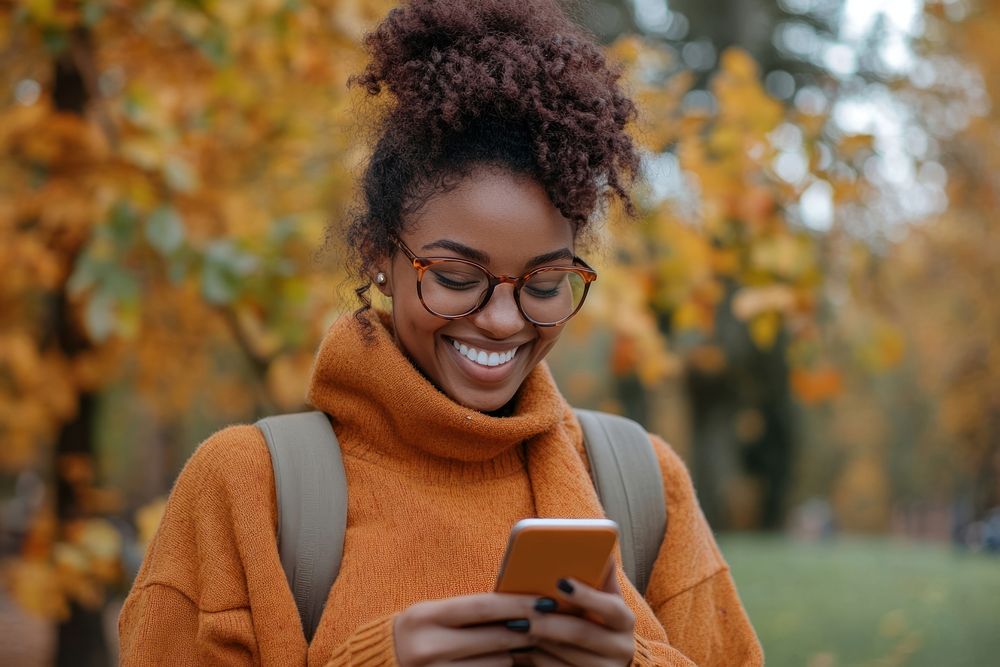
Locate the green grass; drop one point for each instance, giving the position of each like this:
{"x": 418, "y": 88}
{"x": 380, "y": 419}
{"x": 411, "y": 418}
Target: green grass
{"x": 868, "y": 602}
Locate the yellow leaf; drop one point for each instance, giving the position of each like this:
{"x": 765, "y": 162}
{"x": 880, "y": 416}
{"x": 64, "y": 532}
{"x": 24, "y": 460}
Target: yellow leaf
{"x": 41, "y": 11}
{"x": 748, "y": 302}
{"x": 147, "y": 519}
{"x": 764, "y": 329}
{"x": 739, "y": 63}
{"x": 689, "y": 316}
{"x": 99, "y": 539}
{"x": 35, "y": 586}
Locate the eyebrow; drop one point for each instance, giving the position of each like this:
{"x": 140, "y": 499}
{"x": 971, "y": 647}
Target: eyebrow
{"x": 483, "y": 258}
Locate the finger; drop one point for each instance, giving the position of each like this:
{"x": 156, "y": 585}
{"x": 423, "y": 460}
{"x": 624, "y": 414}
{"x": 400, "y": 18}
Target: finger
{"x": 492, "y": 660}
{"x": 573, "y": 655}
{"x": 480, "y": 641}
{"x": 582, "y": 634}
{"x": 611, "y": 585}
{"x": 523, "y": 657}
{"x": 611, "y": 608}
{"x": 465, "y": 610}
{"x": 486, "y": 642}
{"x": 541, "y": 658}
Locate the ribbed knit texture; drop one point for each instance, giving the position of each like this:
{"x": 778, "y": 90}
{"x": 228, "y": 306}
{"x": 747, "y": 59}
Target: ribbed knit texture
{"x": 433, "y": 491}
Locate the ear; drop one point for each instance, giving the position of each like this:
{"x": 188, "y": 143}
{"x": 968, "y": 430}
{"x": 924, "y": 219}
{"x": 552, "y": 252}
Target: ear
{"x": 381, "y": 281}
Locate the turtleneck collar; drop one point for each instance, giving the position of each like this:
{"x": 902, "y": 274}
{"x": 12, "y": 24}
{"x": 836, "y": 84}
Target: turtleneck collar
{"x": 377, "y": 397}
{"x": 366, "y": 383}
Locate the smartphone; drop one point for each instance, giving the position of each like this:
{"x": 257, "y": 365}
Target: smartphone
{"x": 542, "y": 551}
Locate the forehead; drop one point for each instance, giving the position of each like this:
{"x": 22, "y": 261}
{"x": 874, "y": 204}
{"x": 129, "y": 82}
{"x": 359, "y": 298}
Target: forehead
{"x": 506, "y": 216}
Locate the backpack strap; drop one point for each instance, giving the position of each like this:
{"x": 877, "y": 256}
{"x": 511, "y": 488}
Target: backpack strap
{"x": 311, "y": 490}
{"x": 630, "y": 485}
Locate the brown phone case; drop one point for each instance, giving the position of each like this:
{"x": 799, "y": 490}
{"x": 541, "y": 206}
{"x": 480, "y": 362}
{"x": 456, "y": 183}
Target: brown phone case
{"x": 541, "y": 551}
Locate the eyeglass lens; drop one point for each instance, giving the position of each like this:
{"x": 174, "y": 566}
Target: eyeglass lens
{"x": 455, "y": 288}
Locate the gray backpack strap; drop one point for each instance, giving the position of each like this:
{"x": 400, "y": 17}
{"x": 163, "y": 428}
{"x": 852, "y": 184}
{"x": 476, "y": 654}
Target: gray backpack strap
{"x": 629, "y": 483}
{"x": 311, "y": 490}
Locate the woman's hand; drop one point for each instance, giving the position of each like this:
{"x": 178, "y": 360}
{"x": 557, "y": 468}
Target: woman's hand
{"x": 500, "y": 629}
{"x": 570, "y": 640}
{"x": 464, "y": 630}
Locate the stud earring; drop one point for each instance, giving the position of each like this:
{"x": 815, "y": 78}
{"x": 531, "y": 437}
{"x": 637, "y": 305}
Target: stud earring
{"x": 380, "y": 278}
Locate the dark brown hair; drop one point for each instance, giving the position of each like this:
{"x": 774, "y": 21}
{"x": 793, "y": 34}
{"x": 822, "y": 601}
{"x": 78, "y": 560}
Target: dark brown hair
{"x": 503, "y": 83}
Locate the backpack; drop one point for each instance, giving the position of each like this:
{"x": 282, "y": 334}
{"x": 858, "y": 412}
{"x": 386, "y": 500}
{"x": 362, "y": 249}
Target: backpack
{"x": 311, "y": 491}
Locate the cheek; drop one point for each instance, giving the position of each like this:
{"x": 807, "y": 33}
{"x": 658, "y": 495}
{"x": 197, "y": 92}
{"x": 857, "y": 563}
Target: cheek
{"x": 547, "y": 338}
{"x": 416, "y": 329}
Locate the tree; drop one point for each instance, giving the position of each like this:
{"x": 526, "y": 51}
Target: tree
{"x": 152, "y": 208}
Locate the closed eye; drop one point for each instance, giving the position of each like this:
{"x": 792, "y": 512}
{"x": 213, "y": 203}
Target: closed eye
{"x": 543, "y": 292}
{"x": 454, "y": 284}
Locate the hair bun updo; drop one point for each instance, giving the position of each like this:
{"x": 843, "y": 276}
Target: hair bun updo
{"x": 510, "y": 83}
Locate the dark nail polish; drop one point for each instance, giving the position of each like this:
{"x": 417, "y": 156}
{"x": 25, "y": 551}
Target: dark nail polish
{"x": 546, "y": 605}
{"x": 518, "y": 625}
{"x": 521, "y": 649}
{"x": 565, "y": 586}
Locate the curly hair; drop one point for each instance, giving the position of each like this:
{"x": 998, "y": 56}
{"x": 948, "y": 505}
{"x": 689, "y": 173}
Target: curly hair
{"x": 504, "y": 83}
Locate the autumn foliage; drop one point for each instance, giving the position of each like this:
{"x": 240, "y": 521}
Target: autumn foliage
{"x": 168, "y": 168}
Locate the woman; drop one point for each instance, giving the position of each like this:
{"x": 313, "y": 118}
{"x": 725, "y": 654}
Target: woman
{"x": 505, "y": 134}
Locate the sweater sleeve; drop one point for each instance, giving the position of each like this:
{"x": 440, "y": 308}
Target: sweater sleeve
{"x": 211, "y": 590}
{"x": 159, "y": 625}
{"x": 370, "y": 645}
{"x": 691, "y": 591}
{"x": 189, "y": 604}
{"x": 191, "y": 601}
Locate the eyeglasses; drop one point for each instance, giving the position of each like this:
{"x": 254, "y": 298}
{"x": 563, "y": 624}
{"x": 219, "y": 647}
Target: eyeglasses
{"x": 453, "y": 288}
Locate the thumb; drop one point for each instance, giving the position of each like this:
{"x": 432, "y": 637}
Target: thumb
{"x": 611, "y": 584}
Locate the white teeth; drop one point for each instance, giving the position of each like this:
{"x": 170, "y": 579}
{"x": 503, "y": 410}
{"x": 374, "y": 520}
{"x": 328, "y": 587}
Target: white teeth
{"x": 482, "y": 357}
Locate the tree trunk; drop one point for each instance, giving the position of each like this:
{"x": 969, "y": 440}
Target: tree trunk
{"x": 753, "y": 383}
{"x": 80, "y": 638}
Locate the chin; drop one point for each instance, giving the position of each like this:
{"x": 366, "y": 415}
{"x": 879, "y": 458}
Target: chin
{"x": 483, "y": 401}
{"x": 485, "y": 404}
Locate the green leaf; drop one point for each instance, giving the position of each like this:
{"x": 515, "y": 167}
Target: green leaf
{"x": 214, "y": 44}
{"x": 218, "y": 286}
{"x": 179, "y": 267}
{"x": 84, "y": 276}
{"x": 225, "y": 270}
{"x": 281, "y": 230}
{"x": 99, "y": 317}
{"x": 121, "y": 223}
{"x": 121, "y": 285}
{"x": 55, "y": 40}
{"x": 92, "y": 13}
{"x": 165, "y": 230}
{"x": 179, "y": 175}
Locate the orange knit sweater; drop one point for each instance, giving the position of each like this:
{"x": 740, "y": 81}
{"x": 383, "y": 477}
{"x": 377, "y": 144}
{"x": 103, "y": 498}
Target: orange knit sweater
{"x": 434, "y": 489}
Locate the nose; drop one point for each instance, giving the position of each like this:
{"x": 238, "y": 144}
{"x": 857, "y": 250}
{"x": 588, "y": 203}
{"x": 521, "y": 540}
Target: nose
{"x": 500, "y": 318}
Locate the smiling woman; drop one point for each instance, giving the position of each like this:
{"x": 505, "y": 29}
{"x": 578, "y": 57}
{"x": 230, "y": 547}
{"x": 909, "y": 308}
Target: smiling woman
{"x": 508, "y": 224}
{"x": 504, "y": 134}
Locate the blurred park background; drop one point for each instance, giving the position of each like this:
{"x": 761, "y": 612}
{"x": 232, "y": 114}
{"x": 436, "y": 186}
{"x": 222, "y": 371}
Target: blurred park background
{"x": 807, "y": 307}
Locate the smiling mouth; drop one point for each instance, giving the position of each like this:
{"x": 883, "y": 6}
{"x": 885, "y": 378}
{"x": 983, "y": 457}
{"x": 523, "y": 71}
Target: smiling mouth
{"x": 484, "y": 358}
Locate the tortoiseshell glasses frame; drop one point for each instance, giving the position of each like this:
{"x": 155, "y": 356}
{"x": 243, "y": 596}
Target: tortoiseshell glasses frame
{"x": 581, "y": 272}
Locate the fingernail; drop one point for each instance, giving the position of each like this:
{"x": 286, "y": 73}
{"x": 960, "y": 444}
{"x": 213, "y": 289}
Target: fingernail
{"x": 522, "y": 649}
{"x": 518, "y": 625}
{"x": 546, "y": 605}
{"x": 565, "y": 586}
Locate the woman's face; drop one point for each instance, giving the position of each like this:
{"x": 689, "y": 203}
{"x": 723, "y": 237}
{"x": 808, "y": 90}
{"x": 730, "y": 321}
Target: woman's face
{"x": 505, "y": 222}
